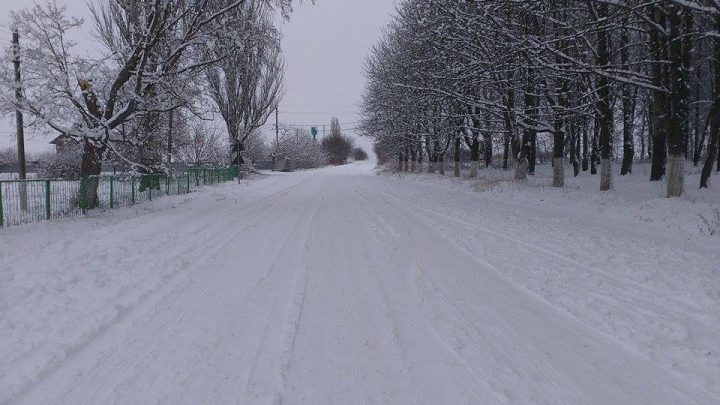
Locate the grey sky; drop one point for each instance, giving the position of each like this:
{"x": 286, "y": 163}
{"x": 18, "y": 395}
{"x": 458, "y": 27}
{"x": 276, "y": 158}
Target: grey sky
{"x": 325, "y": 45}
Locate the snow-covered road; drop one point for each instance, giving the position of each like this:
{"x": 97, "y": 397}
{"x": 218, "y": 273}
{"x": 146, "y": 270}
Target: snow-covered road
{"x": 338, "y": 286}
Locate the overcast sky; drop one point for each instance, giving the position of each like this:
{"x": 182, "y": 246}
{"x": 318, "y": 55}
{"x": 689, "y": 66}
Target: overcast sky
{"x": 325, "y": 45}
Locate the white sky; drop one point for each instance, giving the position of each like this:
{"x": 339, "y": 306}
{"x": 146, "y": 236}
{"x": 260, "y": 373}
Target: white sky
{"x": 325, "y": 45}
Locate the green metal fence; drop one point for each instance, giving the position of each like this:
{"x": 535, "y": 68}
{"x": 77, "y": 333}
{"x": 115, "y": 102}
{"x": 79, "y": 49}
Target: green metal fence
{"x": 25, "y": 201}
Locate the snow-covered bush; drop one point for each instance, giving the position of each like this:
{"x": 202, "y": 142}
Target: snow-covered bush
{"x": 65, "y": 165}
{"x": 337, "y": 147}
{"x": 297, "y": 146}
{"x": 360, "y": 154}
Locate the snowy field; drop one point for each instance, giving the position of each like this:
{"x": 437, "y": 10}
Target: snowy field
{"x": 349, "y": 286}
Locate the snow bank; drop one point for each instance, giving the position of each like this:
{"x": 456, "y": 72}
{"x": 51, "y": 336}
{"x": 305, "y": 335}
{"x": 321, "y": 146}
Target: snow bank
{"x": 630, "y": 263}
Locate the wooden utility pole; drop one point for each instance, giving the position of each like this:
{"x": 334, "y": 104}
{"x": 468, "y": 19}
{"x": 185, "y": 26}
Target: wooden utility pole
{"x": 19, "y": 127}
{"x": 170, "y": 142}
{"x": 277, "y": 138}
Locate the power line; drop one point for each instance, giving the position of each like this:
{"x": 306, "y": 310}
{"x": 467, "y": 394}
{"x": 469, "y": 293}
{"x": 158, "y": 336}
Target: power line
{"x": 317, "y": 106}
{"x": 316, "y": 113}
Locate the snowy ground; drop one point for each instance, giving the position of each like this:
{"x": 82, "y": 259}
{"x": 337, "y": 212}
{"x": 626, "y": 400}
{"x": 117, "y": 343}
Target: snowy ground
{"x": 340, "y": 286}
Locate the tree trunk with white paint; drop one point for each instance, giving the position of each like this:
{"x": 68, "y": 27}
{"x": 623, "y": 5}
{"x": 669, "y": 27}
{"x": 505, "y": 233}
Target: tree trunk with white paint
{"x": 675, "y": 177}
{"x": 558, "y": 173}
{"x": 605, "y": 174}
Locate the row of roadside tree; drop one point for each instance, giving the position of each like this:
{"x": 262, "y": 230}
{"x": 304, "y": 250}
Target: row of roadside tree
{"x": 496, "y": 76}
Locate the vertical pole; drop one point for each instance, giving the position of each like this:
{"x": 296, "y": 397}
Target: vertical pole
{"x": 277, "y": 138}
{"x": 2, "y": 213}
{"x": 19, "y": 126}
{"x": 188, "y": 181}
{"x": 204, "y": 177}
{"x": 152, "y": 184}
{"x": 170, "y": 142}
{"x": 47, "y": 200}
{"x": 238, "y": 161}
{"x": 83, "y": 185}
{"x": 112, "y": 190}
{"x": 178, "y": 185}
{"x": 132, "y": 193}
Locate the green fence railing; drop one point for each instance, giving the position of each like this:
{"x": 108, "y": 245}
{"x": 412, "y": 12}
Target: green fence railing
{"x": 25, "y": 201}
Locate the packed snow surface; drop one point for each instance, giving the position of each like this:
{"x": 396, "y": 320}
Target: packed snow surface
{"x": 341, "y": 286}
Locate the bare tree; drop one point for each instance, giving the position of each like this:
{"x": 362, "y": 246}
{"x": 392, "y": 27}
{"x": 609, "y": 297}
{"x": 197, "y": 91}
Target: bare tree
{"x": 296, "y": 146}
{"x": 247, "y": 82}
{"x": 152, "y": 51}
{"x": 337, "y": 146}
{"x": 203, "y": 145}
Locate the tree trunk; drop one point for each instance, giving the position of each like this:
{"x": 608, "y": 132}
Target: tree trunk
{"x": 420, "y": 155}
{"x": 593, "y": 151}
{"x": 456, "y": 158}
{"x": 660, "y": 110}
{"x": 170, "y": 142}
{"x": 532, "y": 158}
{"x": 441, "y": 164}
{"x": 506, "y": 149}
{"x": 679, "y": 86}
{"x": 628, "y": 130}
{"x": 574, "y": 147}
{"x": 531, "y": 120}
{"x": 401, "y": 159}
{"x": 585, "y": 149}
{"x": 90, "y": 170}
{"x": 487, "y": 143}
{"x": 628, "y": 134}
{"x": 474, "y": 157}
{"x": 509, "y": 129}
{"x": 521, "y": 165}
{"x": 642, "y": 136}
{"x": 604, "y": 106}
{"x": 558, "y": 152}
{"x": 406, "y": 155}
{"x": 432, "y": 159}
{"x": 714, "y": 142}
{"x": 697, "y": 143}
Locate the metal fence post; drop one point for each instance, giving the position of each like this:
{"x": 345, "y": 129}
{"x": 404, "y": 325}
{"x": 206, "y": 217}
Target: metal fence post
{"x": 2, "y": 213}
{"x": 167, "y": 185}
{"x": 204, "y": 177}
{"x": 47, "y": 200}
{"x": 188, "y": 181}
{"x": 112, "y": 189}
{"x": 150, "y": 189}
{"x": 132, "y": 194}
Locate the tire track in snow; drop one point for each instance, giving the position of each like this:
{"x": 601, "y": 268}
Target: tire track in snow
{"x": 219, "y": 281}
{"x": 473, "y": 387}
{"x": 274, "y": 349}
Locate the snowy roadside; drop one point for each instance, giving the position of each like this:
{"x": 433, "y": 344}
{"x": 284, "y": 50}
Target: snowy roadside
{"x": 633, "y": 199}
{"x": 54, "y": 297}
{"x": 39, "y": 235}
{"x": 631, "y": 264}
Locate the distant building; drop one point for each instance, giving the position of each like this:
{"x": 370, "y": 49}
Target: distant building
{"x": 64, "y": 143}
